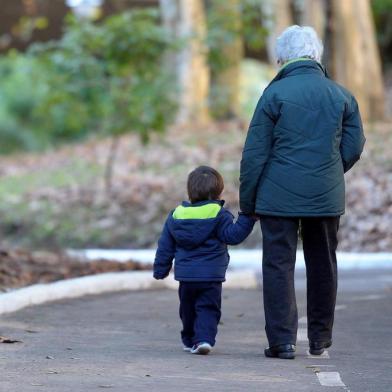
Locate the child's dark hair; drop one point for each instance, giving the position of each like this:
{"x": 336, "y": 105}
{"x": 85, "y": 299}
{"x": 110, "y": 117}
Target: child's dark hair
{"x": 204, "y": 183}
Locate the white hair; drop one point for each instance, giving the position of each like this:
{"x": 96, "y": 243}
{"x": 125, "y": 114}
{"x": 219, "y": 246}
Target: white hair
{"x": 298, "y": 41}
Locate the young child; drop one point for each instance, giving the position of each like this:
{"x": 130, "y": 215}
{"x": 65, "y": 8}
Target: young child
{"x": 196, "y": 235}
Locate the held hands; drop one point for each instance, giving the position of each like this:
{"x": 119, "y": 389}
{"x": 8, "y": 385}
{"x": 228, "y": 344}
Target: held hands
{"x": 160, "y": 276}
{"x": 251, "y": 215}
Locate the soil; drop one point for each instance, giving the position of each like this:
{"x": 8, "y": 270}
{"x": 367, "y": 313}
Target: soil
{"x": 19, "y": 268}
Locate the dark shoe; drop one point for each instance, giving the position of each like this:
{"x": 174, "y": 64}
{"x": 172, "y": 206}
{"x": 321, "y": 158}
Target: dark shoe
{"x": 317, "y": 348}
{"x": 283, "y": 351}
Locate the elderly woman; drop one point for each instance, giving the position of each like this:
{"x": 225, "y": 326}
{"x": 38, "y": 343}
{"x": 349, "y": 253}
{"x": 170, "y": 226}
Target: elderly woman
{"x": 306, "y": 132}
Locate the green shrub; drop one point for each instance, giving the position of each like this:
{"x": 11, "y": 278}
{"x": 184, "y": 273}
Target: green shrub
{"x": 224, "y": 28}
{"x": 226, "y": 25}
{"x": 20, "y": 92}
{"x": 105, "y": 78}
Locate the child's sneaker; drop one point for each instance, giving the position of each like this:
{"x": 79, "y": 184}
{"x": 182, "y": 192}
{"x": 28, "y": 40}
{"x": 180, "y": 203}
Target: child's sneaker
{"x": 187, "y": 349}
{"x": 202, "y": 348}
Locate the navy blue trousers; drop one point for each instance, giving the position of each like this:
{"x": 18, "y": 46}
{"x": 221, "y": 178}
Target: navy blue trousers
{"x": 319, "y": 238}
{"x": 200, "y": 311}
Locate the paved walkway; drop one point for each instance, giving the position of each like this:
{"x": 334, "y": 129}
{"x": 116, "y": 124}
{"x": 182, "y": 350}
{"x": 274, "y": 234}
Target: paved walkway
{"x": 130, "y": 342}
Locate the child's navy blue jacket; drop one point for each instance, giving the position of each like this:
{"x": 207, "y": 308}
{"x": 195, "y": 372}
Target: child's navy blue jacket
{"x": 196, "y": 236}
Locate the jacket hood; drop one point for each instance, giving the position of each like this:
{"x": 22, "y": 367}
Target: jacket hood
{"x": 191, "y": 224}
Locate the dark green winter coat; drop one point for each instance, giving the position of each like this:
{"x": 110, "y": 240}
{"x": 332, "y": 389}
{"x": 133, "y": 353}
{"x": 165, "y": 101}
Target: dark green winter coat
{"x": 306, "y": 132}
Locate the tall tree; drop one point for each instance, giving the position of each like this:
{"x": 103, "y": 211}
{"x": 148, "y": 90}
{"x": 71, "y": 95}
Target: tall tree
{"x": 186, "y": 20}
{"x": 355, "y": 58}
{"x": 227, "y": 52}
{"x": 318, "y": 14}
{"x": 315, "y": 13}
{"x": 350, "y": 49}
{"x": 279, "y": 15}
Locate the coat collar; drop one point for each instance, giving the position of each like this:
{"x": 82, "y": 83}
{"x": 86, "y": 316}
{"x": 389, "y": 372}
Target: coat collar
{"x": 294, "y": 61}
{"x": 202, "y": 203}
{"x": 300, "y": 66}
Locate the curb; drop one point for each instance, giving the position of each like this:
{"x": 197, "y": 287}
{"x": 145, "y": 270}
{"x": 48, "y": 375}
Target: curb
{"x": 104, "y": 283}
{"x": 245, "y": 258}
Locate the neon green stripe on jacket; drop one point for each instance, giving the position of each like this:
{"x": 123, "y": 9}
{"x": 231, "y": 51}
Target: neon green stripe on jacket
{"x": 294, "y": 61}
{"x": 206, "y": 211}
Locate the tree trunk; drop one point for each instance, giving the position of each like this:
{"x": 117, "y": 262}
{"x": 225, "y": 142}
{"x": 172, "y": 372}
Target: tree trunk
{"x": 279, "y": 16}
{"x": 318, "y": 14}
{"x": 110, "y": 165}
{"x": 356, "y": 61}
{"x": 186, "y": 20}
{"x": 225, "y": 99}
{"x": 314, "y": 14}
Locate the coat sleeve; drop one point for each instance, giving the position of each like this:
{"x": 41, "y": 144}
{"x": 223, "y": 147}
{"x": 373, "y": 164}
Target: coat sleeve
{"x": 353, "y": 139}
{"x": 233, "y": 233}
{"x": 255, "y": 154}
{"x": 165, "y": 254}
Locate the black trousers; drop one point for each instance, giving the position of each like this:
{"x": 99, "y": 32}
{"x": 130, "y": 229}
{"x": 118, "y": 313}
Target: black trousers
{"x": 280, "y": 237}
{"x": 200, "y": 311}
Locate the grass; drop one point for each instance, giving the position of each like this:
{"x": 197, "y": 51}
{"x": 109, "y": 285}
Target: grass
{"x": 30, "y": 221}
{"x": 72, "y": 174}
{"x": 57, "y": 201}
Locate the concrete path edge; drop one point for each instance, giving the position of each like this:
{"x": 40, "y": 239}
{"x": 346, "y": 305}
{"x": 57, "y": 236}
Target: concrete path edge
{"x": 104, "y": 283}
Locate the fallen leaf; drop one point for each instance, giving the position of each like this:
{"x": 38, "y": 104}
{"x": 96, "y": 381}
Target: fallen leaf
{"x": 8, "y": 340}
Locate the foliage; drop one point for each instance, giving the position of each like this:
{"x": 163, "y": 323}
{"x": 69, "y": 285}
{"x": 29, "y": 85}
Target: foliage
{"x": 382, "y": 11}
{"x": 21, "y": 89}
{"x": 26, "y": 26}
{"x": 224, "y": 28}
{"x": 232, "y": 27}
{"x": 106, "y": 78}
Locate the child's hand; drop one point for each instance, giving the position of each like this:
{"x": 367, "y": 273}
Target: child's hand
{"x": 160, "y": 277}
